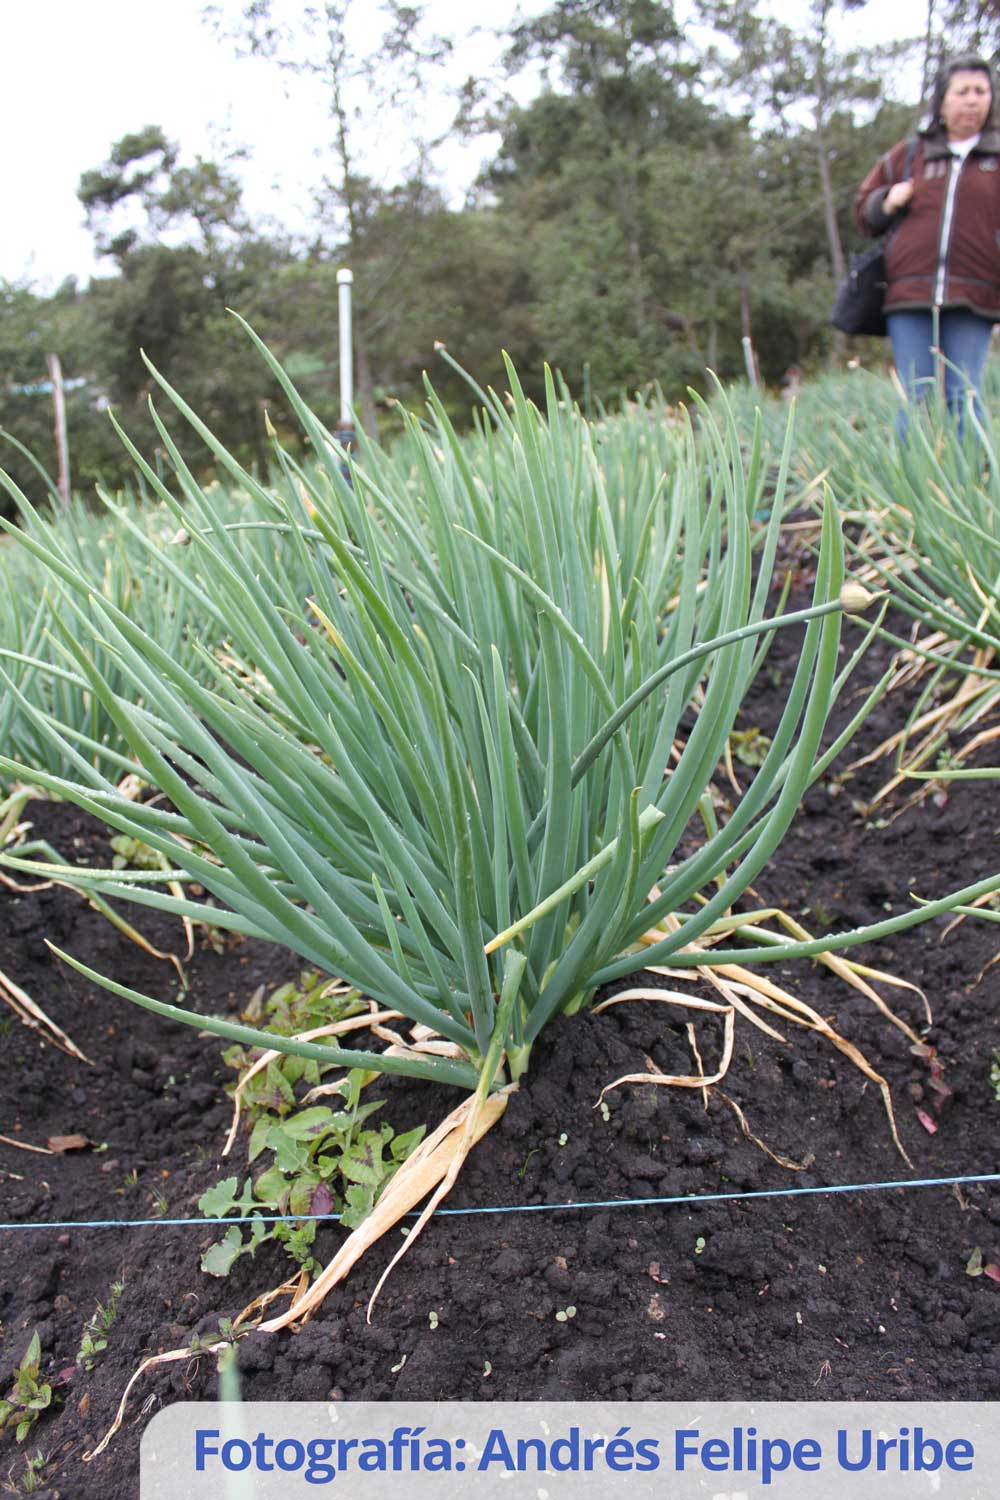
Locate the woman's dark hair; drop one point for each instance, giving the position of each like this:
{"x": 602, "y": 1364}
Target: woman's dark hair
{"x": 967, "y": 62}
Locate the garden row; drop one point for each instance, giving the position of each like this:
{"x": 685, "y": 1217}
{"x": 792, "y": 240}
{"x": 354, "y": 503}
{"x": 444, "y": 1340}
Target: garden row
{"x": 427, "y": 752}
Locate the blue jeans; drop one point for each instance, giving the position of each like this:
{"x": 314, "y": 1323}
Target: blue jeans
{"x": 964, "y": 343}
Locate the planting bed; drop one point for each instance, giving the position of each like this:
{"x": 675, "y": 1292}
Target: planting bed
{"x": 847, "y": 1296}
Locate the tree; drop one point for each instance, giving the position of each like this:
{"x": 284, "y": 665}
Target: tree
{"x": 184, "y": 252}
{"x": 384, "y": 81}
{"x": 956, "y": 26}
{"x": 580, "y": 180}
{"x": 25, "y": 401}
{"x": 781, "y": 70}
{"x": 626, "y": 86}
{"x": 143, "y": 175}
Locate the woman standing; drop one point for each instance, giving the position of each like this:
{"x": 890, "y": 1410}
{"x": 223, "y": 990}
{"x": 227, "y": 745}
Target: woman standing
{"x": 943, "y": 249}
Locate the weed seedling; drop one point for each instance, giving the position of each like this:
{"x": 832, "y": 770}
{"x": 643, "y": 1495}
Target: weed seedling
{"x": 324, "y": 1162}
{"x": 975, "y": 1266}
{"x": 210, "y": 1343}
{"x": 524, "y": 1165}
{"x": 750, "y": 747}
{"x": 300, "y": 1005}
{"x": 95, "y": 1331}
{"x": 33, "y": 1477}
{"x": 29, "y": 1396}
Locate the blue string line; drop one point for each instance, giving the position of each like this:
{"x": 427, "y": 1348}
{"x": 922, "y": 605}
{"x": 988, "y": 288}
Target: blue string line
{"x": 531, "y": 1208}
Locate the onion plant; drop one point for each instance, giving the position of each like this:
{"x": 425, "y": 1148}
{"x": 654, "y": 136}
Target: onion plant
{"x": 841, "y": 421}
{"x": 461, "y": 766}
{"x": 111, "y": 547}
{"x": 469, "y": 724}
{"x": 929, "y": 509}
{"x": 101, "y": 548}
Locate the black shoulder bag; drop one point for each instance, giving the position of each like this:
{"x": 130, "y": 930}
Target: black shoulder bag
{"x": 859, "y": 306}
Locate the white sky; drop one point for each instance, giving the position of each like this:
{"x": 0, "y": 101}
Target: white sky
{"x": 79, "y": 74}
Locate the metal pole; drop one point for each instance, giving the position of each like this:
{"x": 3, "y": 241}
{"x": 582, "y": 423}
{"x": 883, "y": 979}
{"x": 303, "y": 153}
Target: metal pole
{"x": 62, "y": 445}
{"x": 344, "y": 281}
{"x": 750, "y": 361}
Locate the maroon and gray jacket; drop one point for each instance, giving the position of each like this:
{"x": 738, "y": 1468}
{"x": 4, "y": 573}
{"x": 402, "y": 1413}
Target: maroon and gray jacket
{"x": 945, "y": 247}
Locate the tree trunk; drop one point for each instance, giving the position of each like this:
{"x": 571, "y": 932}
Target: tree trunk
{"x": 628, "y": 213}
{"x": 928, "y": 70}
{"x": 258, "y": 437}
{"x": 837, "y": 260}
{"x": 638, "y": 299}
{"x": 829, "y": 210}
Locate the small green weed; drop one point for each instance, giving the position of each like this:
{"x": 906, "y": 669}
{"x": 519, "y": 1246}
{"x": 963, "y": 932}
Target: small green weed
{"x": 977, "y": 1266}
{"x": 94, "y": 1339}
{"x": 324, "y": 1162}
{"x": 822, "y": 915}
{"x": 33, "y": 1477}
{"x": 158, "y": 1201}
{"x": 29, "y": 1396}
{"x": 995, "y": 1076}
{"x": 750, "y": 746}
{"x": 300, "y": 1005}
{"x": 209, "y": 1343}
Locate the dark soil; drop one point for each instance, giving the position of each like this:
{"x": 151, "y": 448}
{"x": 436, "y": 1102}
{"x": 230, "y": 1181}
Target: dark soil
{"x": 854, "y": 1296}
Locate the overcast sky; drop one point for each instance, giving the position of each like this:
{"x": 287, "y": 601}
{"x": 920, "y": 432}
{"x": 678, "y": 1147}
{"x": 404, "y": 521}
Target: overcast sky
{"x": 79, "y": 74}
